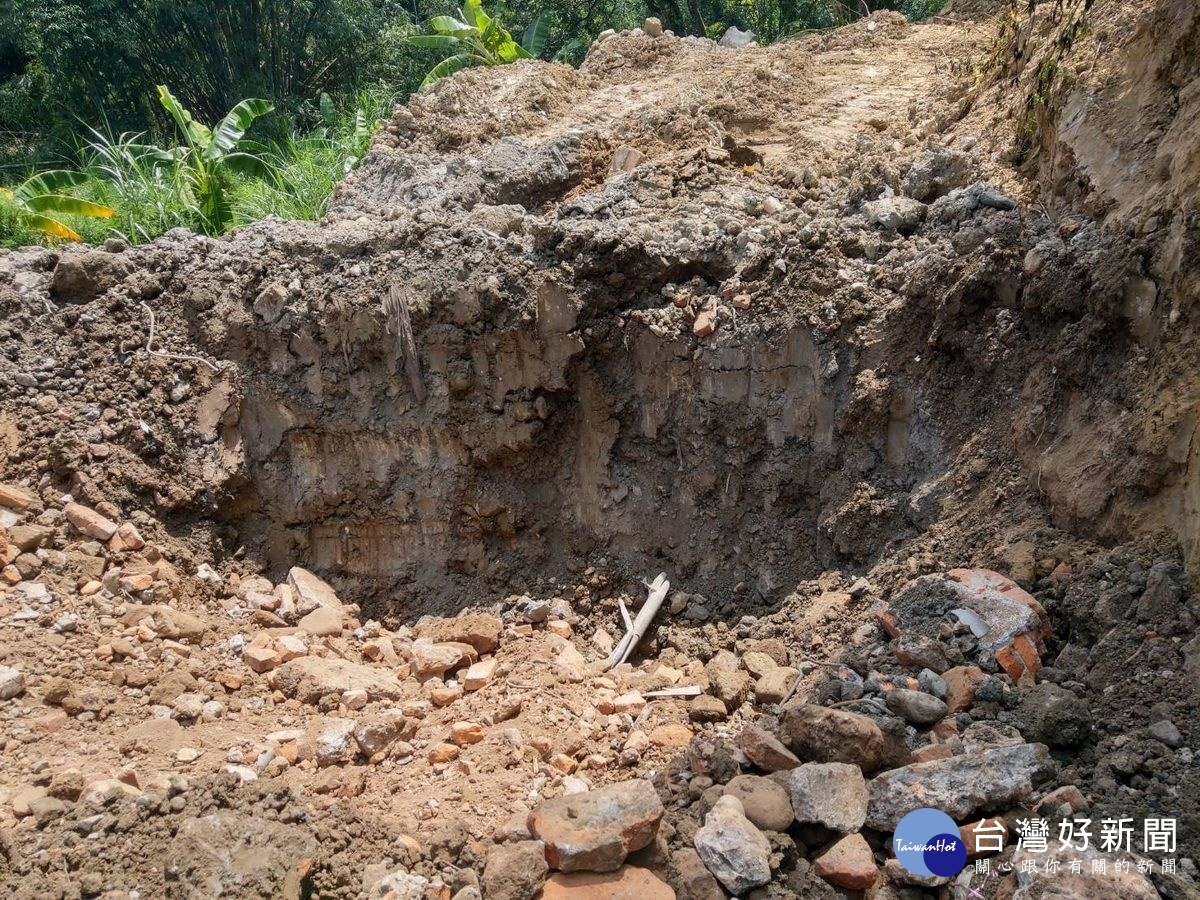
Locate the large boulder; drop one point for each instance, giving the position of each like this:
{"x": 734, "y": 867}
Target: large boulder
{"x": 595, "y": 831}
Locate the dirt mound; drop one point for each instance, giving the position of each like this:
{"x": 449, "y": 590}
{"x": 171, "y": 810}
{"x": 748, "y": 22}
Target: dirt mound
{"x": 787, "y": 323}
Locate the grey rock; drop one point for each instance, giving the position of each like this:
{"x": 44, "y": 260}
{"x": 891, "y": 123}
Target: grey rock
{"x": 898, "y": 214}
{"x": 1166, "y": 732}
{"x": 915, "y": 706}
{"x": 736, "y": 852}
{"x": 1052, "y": 715}
{"x": 959, "y": 785}
{"x": 735, "y": 38}
{"x": 937, "y": 173}
{"x": 12, "y": 683}
{"x": 830, "y": 794}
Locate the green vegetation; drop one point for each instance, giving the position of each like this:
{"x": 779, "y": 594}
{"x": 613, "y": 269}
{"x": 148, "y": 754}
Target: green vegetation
{"x": 476, "y": 39}
{"x": 79, "y": 93}
{"x": 34, "y": 204}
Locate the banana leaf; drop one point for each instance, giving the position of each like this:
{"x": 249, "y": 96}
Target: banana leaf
{"x": 533, "y": 41}
{"x": 232, "y": 128}
{"x": 52, "y": 182}
{"x": 60, "y": 203}
{"x": 447, "y": 66}
{"x": 196, "y": 134}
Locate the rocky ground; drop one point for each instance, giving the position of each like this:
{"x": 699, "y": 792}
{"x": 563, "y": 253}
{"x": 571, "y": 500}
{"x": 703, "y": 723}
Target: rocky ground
{"x": 316, "y": 540}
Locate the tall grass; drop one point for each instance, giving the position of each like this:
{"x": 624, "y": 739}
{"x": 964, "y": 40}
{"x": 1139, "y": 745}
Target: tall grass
{"x": 150, "y": 195}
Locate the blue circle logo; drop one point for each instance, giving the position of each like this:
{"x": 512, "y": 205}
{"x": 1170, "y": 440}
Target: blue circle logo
{"x": 927, "y": 843}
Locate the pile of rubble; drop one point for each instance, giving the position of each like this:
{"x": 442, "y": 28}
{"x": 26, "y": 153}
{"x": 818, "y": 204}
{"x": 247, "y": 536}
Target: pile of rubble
{"x": 746, "y": 769}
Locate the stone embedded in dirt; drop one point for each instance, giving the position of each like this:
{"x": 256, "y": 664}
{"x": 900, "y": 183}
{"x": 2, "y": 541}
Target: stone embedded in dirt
{"x": 330, "y": 742}
{"x": 630, "y": 704}
{"x": 12, "y": 683}
{"x": 432, "y": 660}
{"x": 569, "y": 662}
{"x": 466, "y": 733}
{"x": 936, "y": 173}
{"x": 958, "y": 786}
{"x": 692, "y": 879}
{"x": 706, "y": 319}
{"x": 920, "y": 652}
{"x": 271, "y": 301}
{"x": 79, "y": 278}
{"x": 627, "y": 883}
{"x": 166, "y": 621}
{"x": 849, "y": 863}
{"x": 515, "y": 871}
{"x": 895, "y": 873}
{"x": 324, "y": 621}
{"x": 231, "y": 854}
{"x": 1165, "y": 731}
{"x": 442, "y": 753}
{"x": 480, "y": 674}
{"x": 774, "y": 686}
{"x": 817, "y": 734}
{"x": 897, "y": 214}
{"x": 1052, "y": 715}
{"x": 758, "y": 663}
{"x": 376, "y": 733}
{"x": 961, "y": 683}
{"x": 1066, "y": 801}
{"x": 310, "y": 678}
{"x": 90, "y": 522}
{"x": 261, "y": 659}
{"x": 404, "y": 885}
{"x": 830, "y": 794}
{"x": 1041, "y": 882}
{"x": 188, "y": 706}
{"x": 13, "y": 497}
{"x": 597, "y": 830}
{"x": 707, "y": 708}
{"x": 766, "y": 751}
{"x": 653, "y": 27}
{"x": 481, "y": 630}
{"x": 311, "y": 592}
{"x": 104, "y": 791}
{"x": 916, "y": 706}
{"x": 765, "y": 802}
{"x": 731, "y": 688}
{"x": 737, "y": 853}
{"x": 672, "y": 736}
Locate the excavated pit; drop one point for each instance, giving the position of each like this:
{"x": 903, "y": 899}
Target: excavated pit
{"x": 788, "y": 324}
